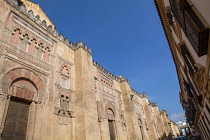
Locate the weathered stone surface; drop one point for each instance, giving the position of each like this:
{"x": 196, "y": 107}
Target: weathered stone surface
{"x": 70, "y": 95}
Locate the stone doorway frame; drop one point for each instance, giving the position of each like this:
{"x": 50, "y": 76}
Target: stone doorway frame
{"x": 6, "y": 82}
{"x": 109, "y": 106}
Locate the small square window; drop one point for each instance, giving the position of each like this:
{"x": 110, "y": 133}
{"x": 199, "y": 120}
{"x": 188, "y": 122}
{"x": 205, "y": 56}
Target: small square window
{"x": 64, "y": 83}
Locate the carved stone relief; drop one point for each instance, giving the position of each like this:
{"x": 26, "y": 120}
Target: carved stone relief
{"x": 64, "y": 97}
{"x": 30, "y": 43}
{"x": 64, "y": 104}
{"x": 100, "y": 110}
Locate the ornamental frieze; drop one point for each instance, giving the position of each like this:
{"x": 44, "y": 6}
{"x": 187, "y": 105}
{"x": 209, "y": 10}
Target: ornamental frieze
{"x": 19, "y": 55}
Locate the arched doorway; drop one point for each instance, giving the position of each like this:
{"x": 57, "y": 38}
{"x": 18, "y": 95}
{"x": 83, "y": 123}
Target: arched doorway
{"x": 110, "y": 116}
{"x": 23, "y": 89}
{"x": 22, "y": 93}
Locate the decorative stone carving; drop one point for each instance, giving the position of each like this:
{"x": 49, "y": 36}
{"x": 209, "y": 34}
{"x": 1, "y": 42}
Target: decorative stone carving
{"x": 37, "y": 19}
{"x": 31, "y": 14}
{"x": 65, "y": 70}
{"x": 61, "y": 37}
{"x": 110, "y": 106}
{"x": 17, "y": 74}
{"x": 200, "y": 78}
{"x": 63, "y": 120}
{"x": 49, "y": 28}
{"x": 22, "y": 8}
{"x": 55, "y": 32}
{"x": 44, "y": 24}
{"x": 66, "y": 41}
{"x": 64, "y": 102}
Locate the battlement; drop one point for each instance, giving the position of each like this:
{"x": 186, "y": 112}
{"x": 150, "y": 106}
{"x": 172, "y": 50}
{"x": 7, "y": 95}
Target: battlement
{"x": 153, "y": 104}
{"x": 81, "y": 45}
{"x": 20, "y": 6}
{"x": 107, "y": 72}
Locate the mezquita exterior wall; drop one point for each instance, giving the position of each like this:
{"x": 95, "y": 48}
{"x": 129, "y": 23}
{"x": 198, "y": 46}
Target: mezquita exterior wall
{"x": 51, "y": 89}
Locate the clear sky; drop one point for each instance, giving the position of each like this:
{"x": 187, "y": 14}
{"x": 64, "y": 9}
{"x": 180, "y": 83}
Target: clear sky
{"x": 126, "y": 38}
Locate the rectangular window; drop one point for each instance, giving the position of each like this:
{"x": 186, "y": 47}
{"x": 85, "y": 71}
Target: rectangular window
{"x": 196, "y": 32}
{"x": 64, "y": 83}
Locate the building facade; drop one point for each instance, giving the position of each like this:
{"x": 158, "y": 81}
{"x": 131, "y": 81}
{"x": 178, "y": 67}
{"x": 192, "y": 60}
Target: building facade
{"x": 186, "y": 25}
{"x": 51, "y": 89}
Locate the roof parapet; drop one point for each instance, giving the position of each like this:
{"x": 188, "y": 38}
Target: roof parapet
{"x": 81, "y": 45}
{"x": 117, "y": 78}
{"x": 142, "y": 95}
{"x": 153, "y": 104}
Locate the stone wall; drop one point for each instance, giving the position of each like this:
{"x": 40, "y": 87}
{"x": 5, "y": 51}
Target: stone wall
{"x": 70, "y": 95}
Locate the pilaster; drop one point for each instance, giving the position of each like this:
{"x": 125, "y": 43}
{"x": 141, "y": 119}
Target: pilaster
{"x": 131, "y": 119}
{"x": 86, "y": 118}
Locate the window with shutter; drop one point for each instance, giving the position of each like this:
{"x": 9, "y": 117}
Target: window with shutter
{"x": 196, "y": 32}
{"x": 188, "y": 59}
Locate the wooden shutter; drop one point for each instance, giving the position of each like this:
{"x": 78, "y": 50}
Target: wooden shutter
{"x": 111, "y": 130}
{"x": 177, "y": 12}
{"x": 188, "y": 59}
{"x": 196, "y": 32}
{"x": 16, "y": 120}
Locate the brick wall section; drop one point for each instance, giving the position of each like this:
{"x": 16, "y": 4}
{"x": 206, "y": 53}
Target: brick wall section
{"x": 24, "y": 42}
{"x": 31, "y": 47}
{"x": 15, "y": 38}
{"x": 46, "y": 54}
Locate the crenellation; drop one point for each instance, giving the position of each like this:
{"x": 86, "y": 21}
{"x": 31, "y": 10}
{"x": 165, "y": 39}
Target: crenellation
{"x": 135, "y": 92}
{"x": 61, "y": 38}
{"x": 31, "y": 15}
{"x": 22, "y": 8}
{"x": 55, "y": 32}
{"x": 66, "y": 41}
{"x": 153, "y": 104}
{"x": 37, "y": 19}
{"x": 44, "y": 24}
{"x": 49, "y": 28}
{"x": 105, "y": 71}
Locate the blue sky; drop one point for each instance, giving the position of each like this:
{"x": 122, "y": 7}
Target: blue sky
{"x": 126, "y": 38}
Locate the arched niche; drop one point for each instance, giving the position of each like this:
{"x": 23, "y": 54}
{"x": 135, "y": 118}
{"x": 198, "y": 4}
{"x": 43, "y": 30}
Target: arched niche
{"x": 24, "y": 89}
{"x": 110, "y": 114}
{"x": 23, "y": 77}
